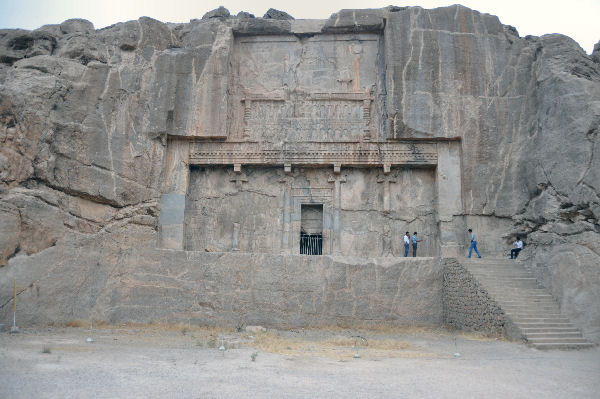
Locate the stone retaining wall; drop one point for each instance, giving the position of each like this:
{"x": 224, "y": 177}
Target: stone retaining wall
{"x": 467, "y": 306}
{"x": 287, "y": 290}
{"x": 105, "y": 278}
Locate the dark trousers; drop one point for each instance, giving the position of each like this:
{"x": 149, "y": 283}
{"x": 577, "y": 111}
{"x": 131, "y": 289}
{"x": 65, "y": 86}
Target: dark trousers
{"x": 406, "y": 247}
{"x": 514, "y": 252}
{"x": 414, "y": 250}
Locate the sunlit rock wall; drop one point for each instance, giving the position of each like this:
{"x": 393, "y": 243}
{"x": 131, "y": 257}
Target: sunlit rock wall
{"x": 85, "y": 114}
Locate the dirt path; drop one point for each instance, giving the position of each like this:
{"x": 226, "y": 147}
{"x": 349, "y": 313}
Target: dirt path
{"x": 181, "y": 363}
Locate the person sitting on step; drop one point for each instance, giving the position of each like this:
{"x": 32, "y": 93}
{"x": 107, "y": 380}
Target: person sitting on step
{"x": 517, "y": 247}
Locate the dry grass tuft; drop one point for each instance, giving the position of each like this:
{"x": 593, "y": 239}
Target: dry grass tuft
{"x": 337, "y": 347}
{"x": 384, "y": 329}
{"x": 77, "y": 324}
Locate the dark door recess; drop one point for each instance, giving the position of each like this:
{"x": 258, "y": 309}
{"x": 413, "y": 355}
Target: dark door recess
{"x": 311, "y": 229}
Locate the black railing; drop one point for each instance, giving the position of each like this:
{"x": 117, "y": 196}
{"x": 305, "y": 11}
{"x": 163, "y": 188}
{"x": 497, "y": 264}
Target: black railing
{"x": 311, "y": 244}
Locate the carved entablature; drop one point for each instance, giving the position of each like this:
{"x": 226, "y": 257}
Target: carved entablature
{"x": 338, "y": 154}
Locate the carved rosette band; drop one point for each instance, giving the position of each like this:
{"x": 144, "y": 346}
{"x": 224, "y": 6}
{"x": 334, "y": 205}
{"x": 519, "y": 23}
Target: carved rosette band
{"x": 314, "y": 153}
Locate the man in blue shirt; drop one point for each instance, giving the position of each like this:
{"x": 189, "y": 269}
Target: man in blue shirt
{"x": 414, "y": 244}
{"x": 473, "y": 244}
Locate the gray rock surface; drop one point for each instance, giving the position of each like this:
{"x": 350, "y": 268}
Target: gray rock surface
{"x": 596, "y": 53}
{"x": 77, "y": 26}
{"x": 89, "y": 119}
{"x": 220, "y": 12}
{"x": 117, "y": 275}
{"x": 277, "y": 14}
{"x": 346, "y": 21}
{"x": 244, "y": 15}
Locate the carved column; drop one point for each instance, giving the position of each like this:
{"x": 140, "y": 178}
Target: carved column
{"x": 337, "y": 180}
{"x": 367, "y": 118}
{"x": 386, "y": 179}
{"x": 286, "y": 219}
{"x": 247, "y": 114}
{"x": 235, "y": 245}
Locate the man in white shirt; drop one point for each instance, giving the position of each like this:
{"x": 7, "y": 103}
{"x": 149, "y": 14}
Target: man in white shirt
{"x": 518, "y": 246}
{"x": 406, "y": 244}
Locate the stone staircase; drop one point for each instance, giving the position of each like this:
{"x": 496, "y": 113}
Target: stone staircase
{"x": 528, "y": 305}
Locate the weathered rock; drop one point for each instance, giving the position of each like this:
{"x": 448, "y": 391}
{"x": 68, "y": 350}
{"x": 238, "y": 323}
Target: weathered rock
{"x": 244, "y": 15}
{"x": 596, "y": 53}
{"x": 10, "y": 231}
{"x": 220, "y": 12}
{"x": 97, "y": 128}
{"x": 77, "y": 26}
{"x": 276, "y": 14}
{"x": 348, "y": 21}
{"x": 258, "y": 26}
{"x": 16, "y": 44}
{"x": 60, "y": 67}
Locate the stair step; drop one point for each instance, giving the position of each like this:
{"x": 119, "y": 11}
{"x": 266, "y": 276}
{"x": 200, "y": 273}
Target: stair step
{"x": 532, "y": 297}
{"x": 573, "y": 340}
{"x": 500, "y": 273}
{"x": 533, "y": 315}
{"x": 540, "y": 319}
{"x": 518, "y": 295}
{"x": 563, "y": 345}
{"x": 510, "y": 284}
{"x": 523, "y": 302}
{"x": 534, "y": 330}
{"x": 531, "y": 308}
{"x": 520, "y": 298}
{"x": 542, "y": 325}
{"x": 530, "y": 312}
{"x": 535, "y": 336}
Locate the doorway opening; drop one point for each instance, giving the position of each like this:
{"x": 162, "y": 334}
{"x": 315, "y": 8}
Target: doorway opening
{"x": 311, "y": 229}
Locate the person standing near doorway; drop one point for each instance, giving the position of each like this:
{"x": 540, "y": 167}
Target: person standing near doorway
{"x": 473, "y": 244}
{"x": 406, "y": 243}
{"x": 414, "y": 244}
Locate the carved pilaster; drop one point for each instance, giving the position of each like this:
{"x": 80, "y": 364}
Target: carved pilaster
{"x": 337, "y": 180}
{"x": 286, "y": 195}
{"x": 367, "y": 118}
{"x": 235, "y": 244}
{"x": 247, "y": 113}
{"x": 386, "y": 180}
{"x": 238, "y": 178}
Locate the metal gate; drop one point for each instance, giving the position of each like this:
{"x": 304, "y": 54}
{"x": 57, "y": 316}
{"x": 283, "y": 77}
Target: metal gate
{"x": 311, "y": 244}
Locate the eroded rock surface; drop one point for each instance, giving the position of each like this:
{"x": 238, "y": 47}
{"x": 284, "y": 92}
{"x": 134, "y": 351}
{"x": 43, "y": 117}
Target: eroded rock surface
{"x": 87, "y": 117}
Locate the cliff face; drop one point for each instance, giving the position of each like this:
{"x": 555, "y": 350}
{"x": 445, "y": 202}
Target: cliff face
{"x": 85, "y": 114}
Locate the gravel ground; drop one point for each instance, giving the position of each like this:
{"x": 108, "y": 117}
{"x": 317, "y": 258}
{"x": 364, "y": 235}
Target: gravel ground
{"x": 149, "y": 363}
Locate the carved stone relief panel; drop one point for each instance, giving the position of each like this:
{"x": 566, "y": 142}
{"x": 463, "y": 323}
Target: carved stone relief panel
{"x": 227, "y": 211}
{"x": 321, "y": 88}
{"x": 377, "y": 209}
{"x": 260, "y": 209}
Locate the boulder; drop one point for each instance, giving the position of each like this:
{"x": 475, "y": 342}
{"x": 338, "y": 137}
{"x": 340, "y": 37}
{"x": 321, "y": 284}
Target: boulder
{"x": 277, "y": 14}
{"x": 77, "y": 25}
{"x": 244, "y": 15}
{"x": 220, "y": 12}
